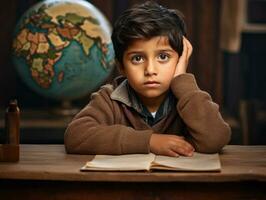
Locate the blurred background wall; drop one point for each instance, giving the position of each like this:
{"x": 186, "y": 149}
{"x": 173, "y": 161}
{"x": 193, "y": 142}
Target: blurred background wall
{"x": 229, "y": 41}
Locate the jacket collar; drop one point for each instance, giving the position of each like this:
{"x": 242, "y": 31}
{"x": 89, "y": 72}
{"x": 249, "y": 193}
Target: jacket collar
{"x": 125, "y": 94}
{"x": 121, "y": 94}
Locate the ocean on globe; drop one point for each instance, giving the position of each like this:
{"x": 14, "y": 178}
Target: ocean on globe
{"x": 62, "y": 49}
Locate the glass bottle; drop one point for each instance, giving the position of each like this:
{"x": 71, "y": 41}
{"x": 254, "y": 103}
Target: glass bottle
{"x": 12, "y": 123}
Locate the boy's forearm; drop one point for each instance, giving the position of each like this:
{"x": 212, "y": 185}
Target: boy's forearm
{"x": 207, "y": 129}
{"x": 102, "y": 139}
{"x": 95, "y": 131}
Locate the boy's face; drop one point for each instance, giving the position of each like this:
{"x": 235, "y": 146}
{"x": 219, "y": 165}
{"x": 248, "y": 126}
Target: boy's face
{"x": 149, "y": 66}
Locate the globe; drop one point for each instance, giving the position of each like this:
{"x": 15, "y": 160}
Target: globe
{"x": 62, "y": 48}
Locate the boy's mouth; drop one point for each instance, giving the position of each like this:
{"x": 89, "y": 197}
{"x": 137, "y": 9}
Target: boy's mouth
{"x": 151, "y": 83}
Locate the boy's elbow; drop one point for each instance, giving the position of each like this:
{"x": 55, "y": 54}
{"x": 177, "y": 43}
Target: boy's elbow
{"x": 215, "y": 141}
{"x": 71, "y": 145}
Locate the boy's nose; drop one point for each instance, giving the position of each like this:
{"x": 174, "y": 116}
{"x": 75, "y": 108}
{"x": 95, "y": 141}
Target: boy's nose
{"x": 150, "y": 69}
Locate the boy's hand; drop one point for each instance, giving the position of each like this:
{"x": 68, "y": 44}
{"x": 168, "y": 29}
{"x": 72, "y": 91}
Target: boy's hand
{"x": 170, "y": 145}
{"x": 182, "y": 64}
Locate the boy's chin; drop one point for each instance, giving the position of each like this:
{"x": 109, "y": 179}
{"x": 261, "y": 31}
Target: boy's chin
{"x": 151, "y": 94}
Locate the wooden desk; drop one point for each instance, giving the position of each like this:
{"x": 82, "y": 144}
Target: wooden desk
{"x": 46, "y": 172}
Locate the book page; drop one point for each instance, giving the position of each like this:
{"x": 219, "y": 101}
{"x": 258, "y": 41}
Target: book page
{"x": 129, "y": 162}
{"x": 198, "y": 162}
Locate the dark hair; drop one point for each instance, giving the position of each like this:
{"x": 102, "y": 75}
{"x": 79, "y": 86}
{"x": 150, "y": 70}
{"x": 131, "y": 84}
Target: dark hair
{"x": 145, "y": 21}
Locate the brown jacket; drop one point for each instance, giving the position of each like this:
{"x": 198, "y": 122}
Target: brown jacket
{"x": 107, "y": 124}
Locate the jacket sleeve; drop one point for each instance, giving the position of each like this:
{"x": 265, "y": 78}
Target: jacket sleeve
{"x": 206, "y": 128}
{"x": 94, "y": 130}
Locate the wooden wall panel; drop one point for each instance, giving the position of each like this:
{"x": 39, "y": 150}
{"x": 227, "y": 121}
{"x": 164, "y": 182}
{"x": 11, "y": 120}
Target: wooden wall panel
{"x": 7, "y": 72}
{"x": 207, "y": 66}
{"x": 106, "y": 7}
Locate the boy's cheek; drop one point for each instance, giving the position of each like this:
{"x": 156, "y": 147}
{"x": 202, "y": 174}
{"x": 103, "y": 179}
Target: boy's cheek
{"x": 121, "y": 68}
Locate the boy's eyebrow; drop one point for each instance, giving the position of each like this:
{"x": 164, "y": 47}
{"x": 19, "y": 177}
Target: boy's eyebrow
{"x": 141, "y": 51}
{"x": 166, "y": 49}
{"x": 133, "y": 52}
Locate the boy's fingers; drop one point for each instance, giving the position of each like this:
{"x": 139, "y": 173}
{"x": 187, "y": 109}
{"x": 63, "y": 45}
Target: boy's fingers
{"x": 183, "y": 59}
{"x": 182, "y": 151}
{"x": 185, "y": 48}
{"x": 189, "y": 48}
{"x": 181, "y": 143}
{"x": 172, "y": 153}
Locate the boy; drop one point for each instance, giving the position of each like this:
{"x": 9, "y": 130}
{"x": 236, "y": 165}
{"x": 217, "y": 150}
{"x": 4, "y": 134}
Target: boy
{"x": 156, "y": 107}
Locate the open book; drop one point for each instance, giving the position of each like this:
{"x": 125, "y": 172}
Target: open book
{"x": 147, "y": 162}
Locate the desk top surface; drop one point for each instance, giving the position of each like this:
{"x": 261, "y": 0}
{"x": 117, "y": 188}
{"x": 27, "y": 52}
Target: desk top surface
{"x": 50, "y": 162}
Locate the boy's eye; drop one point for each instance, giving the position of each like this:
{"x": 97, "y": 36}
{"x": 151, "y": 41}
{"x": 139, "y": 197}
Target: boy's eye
{"x": 137, "y": 59}
{"x": 163, "y": 57}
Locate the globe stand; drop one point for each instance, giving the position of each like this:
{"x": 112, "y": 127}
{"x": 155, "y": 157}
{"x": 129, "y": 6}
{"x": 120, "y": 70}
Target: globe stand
{"x": 66, "y": 109}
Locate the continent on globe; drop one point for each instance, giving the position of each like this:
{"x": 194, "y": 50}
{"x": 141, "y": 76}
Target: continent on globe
{"x": 62, "y": 49}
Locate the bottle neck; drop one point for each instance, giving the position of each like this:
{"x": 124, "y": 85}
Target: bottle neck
{"x": 13, "y": 106}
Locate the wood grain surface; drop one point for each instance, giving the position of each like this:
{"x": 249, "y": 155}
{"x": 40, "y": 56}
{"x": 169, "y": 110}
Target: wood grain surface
{"x": 50, "y": 162}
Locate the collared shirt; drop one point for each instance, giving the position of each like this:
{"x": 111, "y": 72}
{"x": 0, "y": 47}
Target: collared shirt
{"x": 126, "y": 94}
